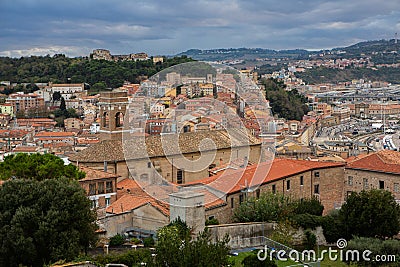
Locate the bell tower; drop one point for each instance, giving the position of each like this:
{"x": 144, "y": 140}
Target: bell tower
{"x": 112, "y": 112}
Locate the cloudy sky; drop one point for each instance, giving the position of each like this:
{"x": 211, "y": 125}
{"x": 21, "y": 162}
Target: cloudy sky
{"x": 76, "y": 27}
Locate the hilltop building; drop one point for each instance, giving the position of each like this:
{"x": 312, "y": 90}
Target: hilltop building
{"x": 106, "y": 55}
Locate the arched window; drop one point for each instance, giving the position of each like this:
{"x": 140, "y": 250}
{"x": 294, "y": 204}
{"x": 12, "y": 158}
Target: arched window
{"x": 119, "y": 119}
{"x": 106, "y": 120}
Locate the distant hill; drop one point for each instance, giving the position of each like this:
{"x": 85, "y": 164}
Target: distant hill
{"x": 243, "y": 53}
{"x": 381, "y": 51}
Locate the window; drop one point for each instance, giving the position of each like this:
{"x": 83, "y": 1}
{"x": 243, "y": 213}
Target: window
{"x": 119, "y": 119}
{"x": 106, "y": 120}
{"x": 273, "y": 189}
{"x": 108, "y": 201}
{"x": 92, "y": 189}
{"x": 179, "y": 176}
{"x": 396, "y": 187}
{"x": 241, "y": 198}
{"x": 302, "y": 180}
{"x": 232, "y": 202}
{"x": 381, "y": 184}
{"x": 109, "y": 187}
{"x": 365, "y": 184}
{"x": 258, "y": 193}
{"x": 316, "y": 189}
{"x": 350, "y": 180}
{"x": 100, "y": 188}
{"x": 94, "y": 203}
{"x": 288, "y": 185}
{"x": 316, "y": 174}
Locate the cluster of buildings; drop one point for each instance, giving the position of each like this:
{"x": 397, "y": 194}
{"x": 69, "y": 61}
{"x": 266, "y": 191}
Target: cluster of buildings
{"x": 139, "y": 202}
{"x": 106, "y": 55}
{"x": 143, "y": 151}
{"x": 40, "y": 102}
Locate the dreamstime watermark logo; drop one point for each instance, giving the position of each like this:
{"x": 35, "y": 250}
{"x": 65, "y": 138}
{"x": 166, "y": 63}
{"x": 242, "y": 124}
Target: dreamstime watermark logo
{"x": 341, "y": 254}
{"x": 196, "y": 120}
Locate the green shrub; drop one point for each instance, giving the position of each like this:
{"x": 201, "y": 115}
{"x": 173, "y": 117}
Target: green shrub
{"x": 310, "y": 240}
{"x": 148, "y": 242}
{"x": 332, "y": 227}
{"x": 307, "y": 221}
{"x": 377, "y": 247}
{"x": 311, "y": 206}
{"x": 135, "y": 240}
{"x": 284, "y": 232}
{"x": 212, "y": 221}
{"x": 117, "y": 240}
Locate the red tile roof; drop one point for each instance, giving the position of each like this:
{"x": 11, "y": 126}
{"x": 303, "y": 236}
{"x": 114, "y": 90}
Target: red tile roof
{"x": 92, "y": 174}
{"x": 231, "y": 181}
{"x": 13, "y": 133}
{"x": 130, "y": 202}
{"x": 26, "y": 149}
{"x": 54, "y": 134}
{"x": 132, "y": 196}
{"x": 383, "y": 161}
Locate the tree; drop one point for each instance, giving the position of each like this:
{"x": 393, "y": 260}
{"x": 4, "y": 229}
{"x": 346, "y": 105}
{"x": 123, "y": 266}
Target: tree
{"x": 284, "y": 233}
{"x": 71, "y": 113}
{"x": 289, "y": 105}
{"x": 269, "y": 207}
{"x": 37, "y": 167}
{"x": 56, "y": 96}
{"x": 175, "y": 247}
{"x": 44, "y": 221}
{"x": 117, "y": 240}
{"x": 311, "y": 206}
{"x": 372, "y": 213}
{"x": 63, "y": 107}
{"x": 98, "y": 87}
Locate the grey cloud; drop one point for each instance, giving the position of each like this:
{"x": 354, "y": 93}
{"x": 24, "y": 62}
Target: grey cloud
{"x": 165, "y": 27}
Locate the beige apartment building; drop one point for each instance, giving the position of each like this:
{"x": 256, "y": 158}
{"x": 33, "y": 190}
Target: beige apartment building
{"x": 21, "y": 102}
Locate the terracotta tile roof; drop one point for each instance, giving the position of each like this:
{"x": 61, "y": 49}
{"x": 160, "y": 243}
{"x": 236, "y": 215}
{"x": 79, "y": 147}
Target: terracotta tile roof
{"x": 130, "y": 202}
{"x": 92, "y": 174}
{"x": 129, "y": 186}
{"x": 25, "y": 149}
{"x": 41, "y": 121}
{"x": 132, "y": 196}
{"x": 116, "y": 150}
{"x": 13, "y": 133}
{"x": 383, "y": 161}
{"x": 58, "y": 144}
{"x": 231, "y": 181}
{"x": 87, "y": 141}
{"x": 54, "y": 138}
{"x": 54, "y": 134}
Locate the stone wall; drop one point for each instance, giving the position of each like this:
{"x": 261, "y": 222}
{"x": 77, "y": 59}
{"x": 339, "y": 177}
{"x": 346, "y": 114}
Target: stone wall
{"x": 241, "y": 234}
{"x": 146, "y": 218}
{"x": 245, "y": 235}
{"x": 374, "y": 180}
